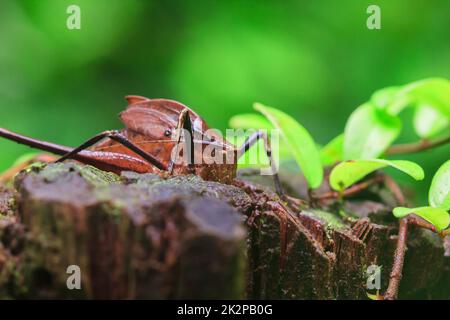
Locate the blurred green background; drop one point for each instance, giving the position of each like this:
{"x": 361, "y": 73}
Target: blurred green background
{"x": 315, "y": 60}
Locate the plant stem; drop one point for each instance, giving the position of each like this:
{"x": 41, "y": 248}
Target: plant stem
{"x": 395, "y": 189}
{"x": 399, "y": 259}
{"x": 399, "y": 255}
{"x": 445, "y": 233}
{"x": 349, "y": 191}
{"x": 421, "y": 145}
{"x": 421, "y": 223}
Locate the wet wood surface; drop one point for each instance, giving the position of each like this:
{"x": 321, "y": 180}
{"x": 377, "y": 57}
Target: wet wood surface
{"x": 146, "y": 236}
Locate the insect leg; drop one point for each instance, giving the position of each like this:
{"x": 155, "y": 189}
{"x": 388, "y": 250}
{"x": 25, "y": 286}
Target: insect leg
{"x": 251, "y": 141}
{"x": 116, "y": 136}
{"x": 184, "y": 122}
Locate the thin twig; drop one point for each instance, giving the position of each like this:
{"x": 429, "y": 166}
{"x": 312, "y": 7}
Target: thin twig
{"x": 417, "y": 146}
{"x": 350, "y": 191}
{"x": 444, "y": 233}
{"x": 399, "y": 256}
{"x": 421, "y": 223}
{"x": 395, "y": 189}
{"x": 399, "y": 259}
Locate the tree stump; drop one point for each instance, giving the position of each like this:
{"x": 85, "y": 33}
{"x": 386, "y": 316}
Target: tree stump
{"x": 134, "y": 236}
{"x": 146, "y": 236}
{"x": 327, "y": 255}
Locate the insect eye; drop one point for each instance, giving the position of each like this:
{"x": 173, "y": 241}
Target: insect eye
{"x": 168, "y": 133}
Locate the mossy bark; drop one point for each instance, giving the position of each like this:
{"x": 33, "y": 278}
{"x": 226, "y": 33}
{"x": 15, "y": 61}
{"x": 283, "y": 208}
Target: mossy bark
{"x": 132, "y": 236}
{"x": 329, "y": 249}
{"x": 144, "y": 236}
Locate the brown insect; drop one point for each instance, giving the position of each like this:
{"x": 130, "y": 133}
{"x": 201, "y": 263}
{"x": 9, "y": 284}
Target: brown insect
{"x": 155, "y": 131}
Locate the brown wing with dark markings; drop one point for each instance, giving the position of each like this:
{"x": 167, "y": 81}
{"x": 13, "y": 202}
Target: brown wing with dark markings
{"x": 154, "y": 117}
{"x": 148, "y": 122}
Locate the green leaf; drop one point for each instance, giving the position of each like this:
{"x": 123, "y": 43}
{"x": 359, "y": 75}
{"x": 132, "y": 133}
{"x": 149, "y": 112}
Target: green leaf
{"x": 256, "y": 156}
{"x": 439, "y": 194}
{"x": 381, "y": 98}
{"x": 369, "y": 132}
{"x": 376, "y": 296}
{"x": 333, "y": 151}
{"x": 249, "y": 121}
{"x": 434, "y": 92}
{"x": 299, "y": 141}
{"x": 348, "y": 172}
{"x": 389, "y": 99}
{"x": 25, "y": 158}
{"x": 436, "y": 216}
{"x": 429, "y": 122}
